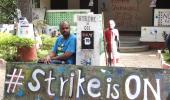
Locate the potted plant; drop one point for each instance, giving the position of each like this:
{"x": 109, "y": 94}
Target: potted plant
{"x": 26, "y": 49}
{"x": 17, "y": 49}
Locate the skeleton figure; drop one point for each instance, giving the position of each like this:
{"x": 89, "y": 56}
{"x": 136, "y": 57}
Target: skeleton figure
{"x": 111, "y": 38}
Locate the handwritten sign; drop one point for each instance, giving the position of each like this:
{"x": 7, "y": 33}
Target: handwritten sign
{"x": 153, "y": 34}
{"x": 68, "y": 82}
{"x": 129, "y": 15}
{"x": 25, "y": 31}
{"x": 89, "y": 32}
{"x": 121, "y": 14}
{"x": 87, "y": 40}
{"x": 161, "y": 17}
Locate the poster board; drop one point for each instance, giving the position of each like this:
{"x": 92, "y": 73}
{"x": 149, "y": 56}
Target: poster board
{"x": 7, "y": 28}
{"x": 38, "y": 14}
{"x": 89, "y": 31}
{"x": 25, "y": 31}
{"x": 153, "y": 34}
{"x": 30, "y": 81}
{"x": 162, "y": 17}
{"x": 129, "y": 15}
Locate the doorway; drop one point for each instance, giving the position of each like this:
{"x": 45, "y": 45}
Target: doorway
{"x": 163, "y": 4}
{"x": 59, "y": 4}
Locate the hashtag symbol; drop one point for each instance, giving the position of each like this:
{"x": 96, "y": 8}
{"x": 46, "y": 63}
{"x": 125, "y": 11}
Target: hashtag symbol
{"x": 14, "y": 80}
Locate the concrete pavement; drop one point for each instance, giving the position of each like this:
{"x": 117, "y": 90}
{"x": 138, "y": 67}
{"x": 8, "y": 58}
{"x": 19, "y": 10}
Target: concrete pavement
{"x": 146, "y": 59}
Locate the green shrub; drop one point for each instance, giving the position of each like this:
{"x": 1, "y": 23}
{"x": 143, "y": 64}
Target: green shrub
{"x": 9, "y": 44}
{"x": 42, "y": 53}
{"x": 7, "y": 48}
{"x": 166, "y": 56}
{"x": 7, "y": 39}
{"x": 47, "y": 42}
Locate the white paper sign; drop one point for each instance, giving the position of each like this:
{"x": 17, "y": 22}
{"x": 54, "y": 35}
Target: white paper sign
{"x": 89, "y": 31}
{"x": 162, "y": 17}
{"x": 153, "y": 34}
{"x": 25, "y": 31}
{"x": 8, "y": 28}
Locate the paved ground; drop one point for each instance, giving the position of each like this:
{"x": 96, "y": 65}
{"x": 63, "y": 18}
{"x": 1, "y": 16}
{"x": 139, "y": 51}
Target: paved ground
{"x": 148, "y": 59}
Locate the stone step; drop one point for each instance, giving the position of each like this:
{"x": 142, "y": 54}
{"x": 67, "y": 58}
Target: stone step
{"x": 129, "y": 38}
{"x": 138, "y": 48}
{"x": 131, "y": 44}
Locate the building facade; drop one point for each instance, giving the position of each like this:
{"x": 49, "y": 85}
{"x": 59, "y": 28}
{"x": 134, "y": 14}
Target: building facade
{"x": 129, "y": 15}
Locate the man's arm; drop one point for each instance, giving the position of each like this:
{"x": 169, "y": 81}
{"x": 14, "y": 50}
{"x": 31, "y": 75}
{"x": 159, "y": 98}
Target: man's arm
{"x": 65, "y": 56}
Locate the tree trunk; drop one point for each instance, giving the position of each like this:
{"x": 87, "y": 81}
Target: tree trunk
{"x": 26, "y": 8}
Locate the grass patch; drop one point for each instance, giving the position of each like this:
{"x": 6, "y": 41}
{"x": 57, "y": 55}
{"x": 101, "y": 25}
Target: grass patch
{"x": 166, "y": 56}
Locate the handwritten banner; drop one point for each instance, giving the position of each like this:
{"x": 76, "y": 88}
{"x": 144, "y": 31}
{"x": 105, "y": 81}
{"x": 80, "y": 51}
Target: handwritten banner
{"x": 153, "y": 34}
{"x": 26, "y": 81}
{"x": 89, "y": 32}
{"x": 129, "y": 15}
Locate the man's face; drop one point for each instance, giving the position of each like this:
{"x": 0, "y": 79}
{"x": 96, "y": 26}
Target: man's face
{"x": 65, "y": 29}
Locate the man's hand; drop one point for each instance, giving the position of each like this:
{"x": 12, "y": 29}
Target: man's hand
{"x": 47, "y": 60}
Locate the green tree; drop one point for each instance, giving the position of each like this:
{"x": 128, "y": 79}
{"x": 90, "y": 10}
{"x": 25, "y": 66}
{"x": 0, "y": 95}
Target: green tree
{"x": 7, "y": 11}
